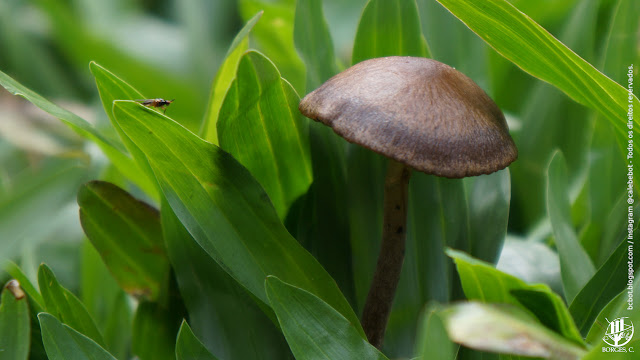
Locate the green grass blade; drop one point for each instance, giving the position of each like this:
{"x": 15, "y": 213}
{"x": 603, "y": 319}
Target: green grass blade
{"x": 112, "y": 148}
{"x": 225, "y": 75}
{"x": 188, "y": 347}
{"x": 64, "y": 343}
{"x": 63, "y": 304}
{"x": 127, "y": 234}
{"x": 483, "y": 282}
{"x": 575, "y": 265}
{"x": 389, "y": 27}
{"x": 314, "y": 330}
{"x": 224, "y": 208}
{"x": 313, "y": 42}
{"x": 26, "y": 285}
{"x": 261, "y": 127}
{"x": 522, "y": 41}
{"x": 14, "y": 323}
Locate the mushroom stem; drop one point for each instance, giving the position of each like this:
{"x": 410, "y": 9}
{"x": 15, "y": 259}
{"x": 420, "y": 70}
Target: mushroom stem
{"x": 385, "y": 280}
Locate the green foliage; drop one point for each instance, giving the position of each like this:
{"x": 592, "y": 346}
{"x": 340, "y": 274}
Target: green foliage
{"x": 232, "y": 227}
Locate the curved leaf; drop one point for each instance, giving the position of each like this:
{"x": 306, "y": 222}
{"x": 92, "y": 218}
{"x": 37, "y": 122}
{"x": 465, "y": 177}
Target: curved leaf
{"x": 127, "y": 234}
{"x": 261, "y": 127}
{"x": 433, "y": 340}
{"x": 508, "y": 330}
{"x": 63, "y": 343}
{"x": 314, "y": 330}
{"x": 483, "y": 282}
{"x": 522, "y": 41}
{"x": 14, "y": 323}
{"x": 224, "y": 208}
{"x": 225, "y": 75}
{"x": 65, "y": 305}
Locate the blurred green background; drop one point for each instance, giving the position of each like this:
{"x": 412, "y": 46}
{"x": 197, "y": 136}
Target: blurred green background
{"x": 172, "y": 49}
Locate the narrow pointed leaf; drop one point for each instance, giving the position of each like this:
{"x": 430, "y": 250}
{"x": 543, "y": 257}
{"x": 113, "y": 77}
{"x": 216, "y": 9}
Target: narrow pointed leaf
{"x": 389, "y": 28}
{"x": 127, "y": 234}
{"x": 111, "y": 88}
{"x": 314, "y": 330}
{"x": 508, "y": 330}
{"x": 261, "y": 127}
{"x": 64, "y": 305}
{"x": 483, "y": 282}
{"x": 14, "y": 270}
{"x": 63, "y": 342}
{"x": 188, "y": 347}
{"x": 224, "y": 208}
{"x": 225, "y": 75}
{"x": 14, "y": 323}
{"x": 522, "y": 41}
{"x": 575, "y": 265}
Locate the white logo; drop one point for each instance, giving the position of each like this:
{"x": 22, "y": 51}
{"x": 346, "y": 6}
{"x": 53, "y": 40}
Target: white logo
{"x": 620, "y": 329}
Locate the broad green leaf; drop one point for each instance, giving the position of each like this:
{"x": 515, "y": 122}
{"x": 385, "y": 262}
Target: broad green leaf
{"x": 261, "y": 127}
{"x": 483, "y": 282}
{"x": 621, "y": 309}
{"x": 106, "y": 302}
{"x": 314, "y": 330}
{"x": 112, "y": 148}
{"x": 63, "y": 342}
{"x": 601, "y": 288}
{"x": 188, "y": 347}
{"x": 389, "y": 28}
{"x": 433, "y": 340}
{"x": 14, "y": 323}
{"x": 522, "y": 41}
{"x": 211, "y": 194}
{"x": 313, "y": 42}
{"x": 274, "y": 36}
{"x": 221, "y": 312}
{"x": 225, "y": 75}
{"x": 127, "y": 234}
{"x": 111, "y": 88}
{"x": 575, "y": 265}
{"x": 506, "y": 329}
{"x": 155, "y": 328}
{"x": 64, "y": 305}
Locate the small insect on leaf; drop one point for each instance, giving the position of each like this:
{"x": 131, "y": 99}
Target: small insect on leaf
{"x": 16, "y": 290}
{"x": 156, "y": 103}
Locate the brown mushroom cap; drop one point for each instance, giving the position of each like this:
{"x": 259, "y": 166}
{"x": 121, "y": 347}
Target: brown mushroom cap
{"x": 417, "y": 111}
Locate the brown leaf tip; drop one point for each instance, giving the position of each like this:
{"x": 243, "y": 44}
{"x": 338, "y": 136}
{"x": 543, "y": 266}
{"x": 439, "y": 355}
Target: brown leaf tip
{"x": 417, "y": 111}
{"x": 16, "y": 290}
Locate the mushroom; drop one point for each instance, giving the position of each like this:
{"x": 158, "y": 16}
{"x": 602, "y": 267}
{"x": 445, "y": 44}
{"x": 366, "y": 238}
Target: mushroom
{"x": 422, "y": 115}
